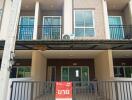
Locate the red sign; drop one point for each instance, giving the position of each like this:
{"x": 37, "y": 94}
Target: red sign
{"x": 63, "y": 90}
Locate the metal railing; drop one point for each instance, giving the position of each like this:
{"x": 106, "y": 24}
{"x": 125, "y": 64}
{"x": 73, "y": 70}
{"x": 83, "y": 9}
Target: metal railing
{"x": 54, "y": 32}
{"x": 120, "y": 32}
{"x": 96, "y": 90}
{"x": 25, "y": 32}
{"x": 50, "y": 32}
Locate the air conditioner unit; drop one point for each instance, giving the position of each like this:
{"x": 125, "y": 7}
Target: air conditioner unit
{"x": 68, "y": 37}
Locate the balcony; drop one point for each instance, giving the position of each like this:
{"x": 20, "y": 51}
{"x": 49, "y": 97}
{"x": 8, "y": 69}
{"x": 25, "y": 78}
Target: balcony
{"x": 45, "y": 32}
{"x": 25, "y": 32}
{"x": 54, "y": 32}
{"x": 50, "y": 32}
{"x": 120, "y": 32}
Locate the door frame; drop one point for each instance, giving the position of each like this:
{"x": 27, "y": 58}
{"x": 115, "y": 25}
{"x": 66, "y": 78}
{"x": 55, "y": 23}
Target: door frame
{"x": 74, "y": 67}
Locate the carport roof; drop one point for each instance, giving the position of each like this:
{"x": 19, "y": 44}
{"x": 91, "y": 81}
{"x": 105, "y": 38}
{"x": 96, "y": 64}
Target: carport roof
{"x": 72, "y": 45}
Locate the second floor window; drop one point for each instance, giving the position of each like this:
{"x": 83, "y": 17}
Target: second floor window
{"x": 26, "y": 26}
{"x": 84, "y": 23}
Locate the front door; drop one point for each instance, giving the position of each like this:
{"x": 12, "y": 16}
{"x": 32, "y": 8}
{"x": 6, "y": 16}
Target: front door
{"x": 75, "y": 73}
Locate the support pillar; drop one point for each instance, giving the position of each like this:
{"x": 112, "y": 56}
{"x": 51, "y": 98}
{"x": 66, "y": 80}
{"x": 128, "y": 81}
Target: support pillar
{"x": 104, "y": 66}
{"x": 39, "y": 65}
{"x": 106, "y": 20}
{"x": 36, "y": 18}
{"x": 68, "y": 17}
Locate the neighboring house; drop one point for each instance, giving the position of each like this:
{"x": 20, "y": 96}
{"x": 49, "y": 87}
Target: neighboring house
{"x": 87, "y": 42}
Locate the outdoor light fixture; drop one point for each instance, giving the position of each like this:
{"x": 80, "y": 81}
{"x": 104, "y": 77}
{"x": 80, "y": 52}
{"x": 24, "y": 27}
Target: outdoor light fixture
{"x": 74, "y": 64}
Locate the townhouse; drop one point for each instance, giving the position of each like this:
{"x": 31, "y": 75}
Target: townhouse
{"x": 70, "y": 40}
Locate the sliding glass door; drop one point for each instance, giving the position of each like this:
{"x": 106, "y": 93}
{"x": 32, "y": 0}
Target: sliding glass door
{"x": 26, "y": 27}
{"x": 75, "y": 73}
{"x": 51, "y": 27}
{"x": 116, "y": 28}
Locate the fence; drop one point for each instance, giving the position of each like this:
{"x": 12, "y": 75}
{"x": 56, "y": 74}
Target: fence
{"x": 96, "y": 90}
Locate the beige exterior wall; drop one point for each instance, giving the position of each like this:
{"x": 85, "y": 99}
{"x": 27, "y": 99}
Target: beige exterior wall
{"x": 104, "y": 66}
{"x": 27, "y": 13}
{"x": 128, "y": 14}
{"x": 39, "y": 64}
{"x": 97, "y": 7}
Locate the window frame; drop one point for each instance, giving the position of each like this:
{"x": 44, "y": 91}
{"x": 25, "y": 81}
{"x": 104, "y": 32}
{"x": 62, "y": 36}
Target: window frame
{"x": 124, "y": 70}
{"x": 18, "y": 67}
{"x": 93, "y": 19}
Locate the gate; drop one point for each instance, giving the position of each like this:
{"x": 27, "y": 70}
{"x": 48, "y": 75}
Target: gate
{"x": 96, "y": 90}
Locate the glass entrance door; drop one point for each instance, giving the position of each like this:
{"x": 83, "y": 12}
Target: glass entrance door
{"x": 75, "y": 73}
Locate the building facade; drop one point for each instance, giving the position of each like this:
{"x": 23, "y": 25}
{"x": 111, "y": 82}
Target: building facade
{"x": 70, "y": 40}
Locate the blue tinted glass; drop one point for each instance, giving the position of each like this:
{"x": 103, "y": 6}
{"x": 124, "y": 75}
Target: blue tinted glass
{"x": 116, "y": 30}
{"x": 56, "y": 21}
{"x": 114, "y": 20}
{"x": 79, "y": 32}
{"x": 51, "y": 29}
{"x": 89, "y": 32}
{"x": 88, "y": 19}
{"x": 26, "y": 26}
{"x": 47, "y": 21}
{"x": 79, "y": 19}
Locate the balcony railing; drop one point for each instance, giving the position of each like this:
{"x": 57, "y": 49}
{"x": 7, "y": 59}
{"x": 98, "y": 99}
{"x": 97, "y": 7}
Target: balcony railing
{"x": 25, "y": 32}
{"x": 54, "y": 32}
{"x": 49, "y": 32}
{"x": 96, "y": 90}
{"x": 120, "y": 32}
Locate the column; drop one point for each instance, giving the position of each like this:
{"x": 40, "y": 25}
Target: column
{"x": 36, "y": 18}
{"x": 9, "y": 27}
{"x": 68, "y": 17}
{"x": 106, "y": 20}
{"x": 39, "y": 64}
{"x": 104, "y": 66}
